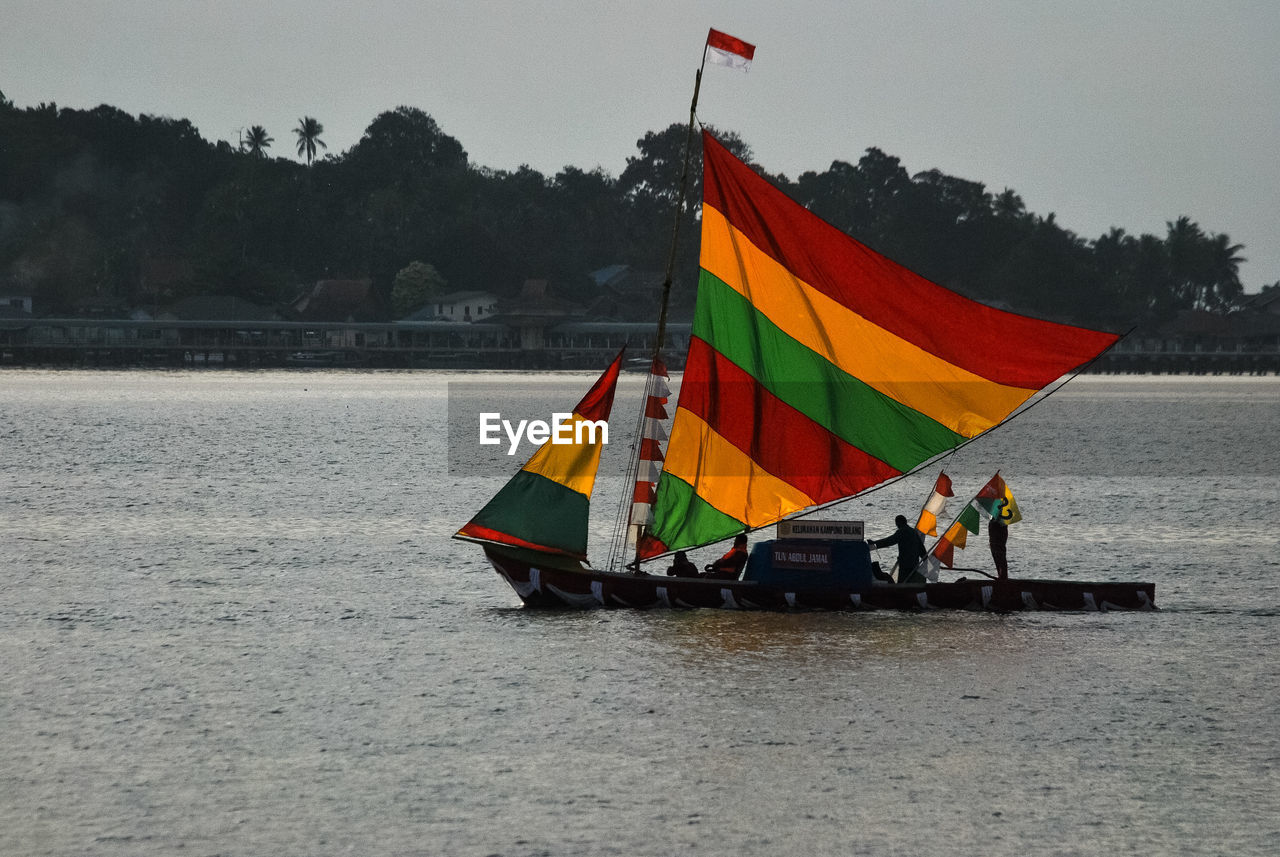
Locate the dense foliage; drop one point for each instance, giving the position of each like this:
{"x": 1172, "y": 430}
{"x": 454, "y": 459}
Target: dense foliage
{"x": 101, "y": 209}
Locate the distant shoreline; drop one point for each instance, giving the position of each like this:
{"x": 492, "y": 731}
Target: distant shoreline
{"x": 542, "y": 345}
{"x": 1153, "y": 365}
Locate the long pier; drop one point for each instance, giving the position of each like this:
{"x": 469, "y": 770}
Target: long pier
{"x": 460, "y": 345}
{"x": 1189, "y": 362}
{"x": 247, "y": 344}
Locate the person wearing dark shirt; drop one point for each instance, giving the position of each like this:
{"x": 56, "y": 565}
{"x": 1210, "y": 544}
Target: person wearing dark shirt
{"x": 910, "y": 549}
{"x": 681, "y": 566}
{"x": 729, "y": 566}
{"x": 998, "y": 535}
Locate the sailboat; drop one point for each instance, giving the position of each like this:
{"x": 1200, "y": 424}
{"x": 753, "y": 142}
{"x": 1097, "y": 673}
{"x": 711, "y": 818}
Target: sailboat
{"x": 817, "y": 369}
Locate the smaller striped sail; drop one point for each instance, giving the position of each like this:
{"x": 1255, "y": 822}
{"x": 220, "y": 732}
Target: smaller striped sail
{"x": 818, "y": 368}
{"x": 546, "y": 505}
{"x": 653, "y": 433}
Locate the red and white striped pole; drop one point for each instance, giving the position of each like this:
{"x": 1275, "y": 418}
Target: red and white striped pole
{"x": 652, "y": 437}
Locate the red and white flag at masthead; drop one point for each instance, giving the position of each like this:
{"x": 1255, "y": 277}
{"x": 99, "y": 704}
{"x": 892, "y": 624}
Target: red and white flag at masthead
{"x": 724, "y": 49}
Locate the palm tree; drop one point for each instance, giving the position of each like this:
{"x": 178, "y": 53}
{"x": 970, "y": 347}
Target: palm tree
{"x": 1206, "y": 267}
{"x": 256, "y": 141}
{"x": 1185, "y": 244}
{"x": 309, "y": 131}
{"x": 1224, "y": 262}
{"x": 1009, "y": 205}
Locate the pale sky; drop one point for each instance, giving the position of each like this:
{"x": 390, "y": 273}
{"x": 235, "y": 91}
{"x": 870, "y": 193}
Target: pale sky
{"x": 1124, "y": 113}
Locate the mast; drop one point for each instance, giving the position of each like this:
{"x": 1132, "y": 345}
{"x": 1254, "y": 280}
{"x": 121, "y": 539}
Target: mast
{"x": 675, "y": 226}
{"x": 626, "y": 511}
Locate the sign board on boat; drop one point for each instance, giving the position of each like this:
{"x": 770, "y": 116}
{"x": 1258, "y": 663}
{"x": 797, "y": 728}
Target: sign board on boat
{"x": 802, "y": 555}
{"x": 825, "y": 530}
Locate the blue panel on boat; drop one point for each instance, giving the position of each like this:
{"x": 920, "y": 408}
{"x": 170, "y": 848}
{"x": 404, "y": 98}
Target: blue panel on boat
{"x": 811, "y": 563}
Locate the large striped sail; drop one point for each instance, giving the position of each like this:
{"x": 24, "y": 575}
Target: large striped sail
{"x": 545, "y": 506}
{"x": 819, "y": 368}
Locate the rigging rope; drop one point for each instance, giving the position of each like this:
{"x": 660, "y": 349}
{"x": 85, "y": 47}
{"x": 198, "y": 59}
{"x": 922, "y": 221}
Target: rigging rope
{"x": 1033, "y": 402}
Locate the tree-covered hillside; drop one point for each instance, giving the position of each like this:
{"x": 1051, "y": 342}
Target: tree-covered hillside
{"x": 100, "y": 210}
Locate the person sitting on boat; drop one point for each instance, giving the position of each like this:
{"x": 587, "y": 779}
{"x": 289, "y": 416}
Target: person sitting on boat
{"x": 910, "y": 550}
{"x": 729, "y": 566}
{"x": 682, "y": 566}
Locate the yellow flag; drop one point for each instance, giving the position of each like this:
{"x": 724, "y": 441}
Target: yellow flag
{"x": 1009, "y": 513}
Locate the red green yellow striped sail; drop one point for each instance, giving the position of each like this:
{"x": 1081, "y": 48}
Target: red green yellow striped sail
{"x": 545, "y": 506}
{"x": 819, "y": 368}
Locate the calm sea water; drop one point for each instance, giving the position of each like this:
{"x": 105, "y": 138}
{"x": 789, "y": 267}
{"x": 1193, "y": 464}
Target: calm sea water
{"x": 232, "y": 623}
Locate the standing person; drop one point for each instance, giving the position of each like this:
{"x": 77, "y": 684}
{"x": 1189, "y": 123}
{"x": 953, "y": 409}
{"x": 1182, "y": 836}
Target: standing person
{"x": 910, "y": 550}
{"x": 729, "y": 566}
{"x": 998, "y": 535}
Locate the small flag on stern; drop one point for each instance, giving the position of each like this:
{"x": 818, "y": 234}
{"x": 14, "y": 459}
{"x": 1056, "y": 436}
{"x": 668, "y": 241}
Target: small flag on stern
{"x": 997, "y": 501}
{"x": 956, "y": 536}
{"x": 724, "y": 49}
{"x": 928, "y": 523}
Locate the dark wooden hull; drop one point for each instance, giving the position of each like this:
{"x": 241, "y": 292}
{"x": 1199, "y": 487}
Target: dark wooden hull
{"x": 553, "y": 585}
